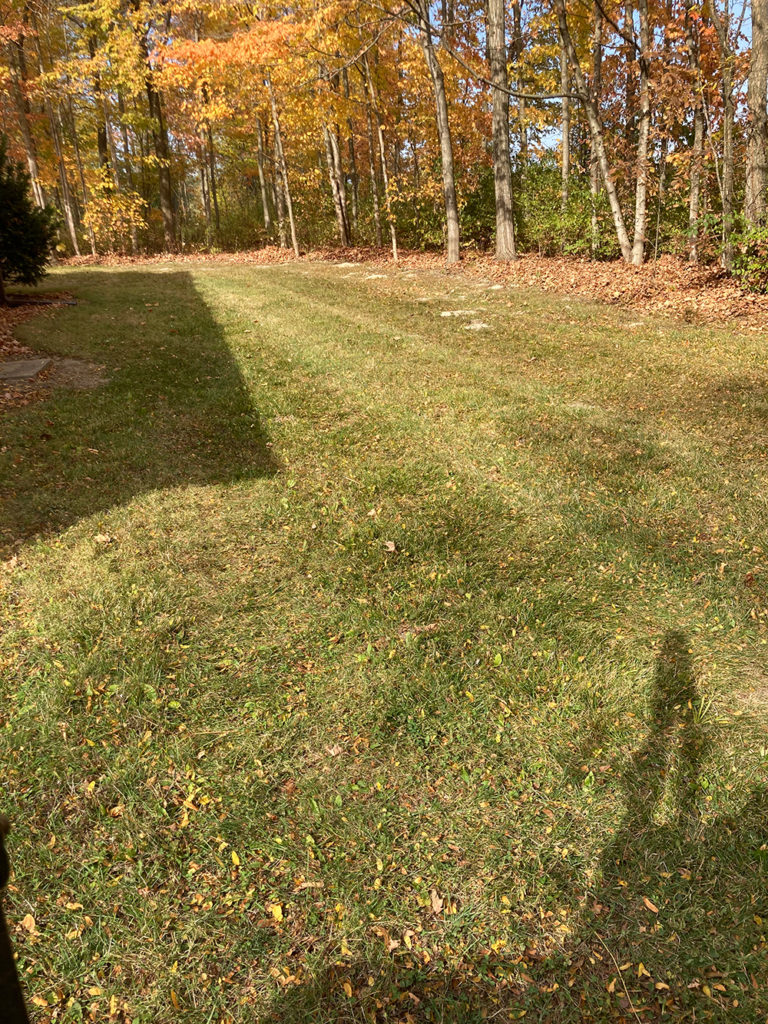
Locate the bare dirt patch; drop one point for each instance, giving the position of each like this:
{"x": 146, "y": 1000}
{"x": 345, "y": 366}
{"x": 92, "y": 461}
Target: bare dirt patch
{"x": 60, "y": 372}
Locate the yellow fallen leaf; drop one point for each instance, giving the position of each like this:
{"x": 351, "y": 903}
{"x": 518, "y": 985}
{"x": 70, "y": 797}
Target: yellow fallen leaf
{"x": 175, "y": 1000}
{"x": 39, "y": 1001}
{"x": 642, "y": 972}
{"x": 651, "y": 906}
{"x": 29, "y": 925}
{"x": 235, "y": 859}
{"x": 347, "y": 989}
{"x": 276, "y": 911}
{"x": 611, "y": 986}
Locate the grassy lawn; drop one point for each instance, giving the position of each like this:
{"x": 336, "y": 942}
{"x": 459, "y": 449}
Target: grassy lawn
{"x": 357, "y": 666}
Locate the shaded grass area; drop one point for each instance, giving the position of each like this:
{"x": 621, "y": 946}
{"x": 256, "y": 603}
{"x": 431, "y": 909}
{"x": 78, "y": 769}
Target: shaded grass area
{"x": 357, "y": 666}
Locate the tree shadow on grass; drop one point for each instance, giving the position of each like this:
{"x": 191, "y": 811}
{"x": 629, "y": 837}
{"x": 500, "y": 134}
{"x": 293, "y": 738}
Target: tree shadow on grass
{"x": 175, "y": 409}
{"x": 672, "y": 928}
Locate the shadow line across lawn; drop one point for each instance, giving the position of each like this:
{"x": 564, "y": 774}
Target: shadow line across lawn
{"x": 175, "y": 410}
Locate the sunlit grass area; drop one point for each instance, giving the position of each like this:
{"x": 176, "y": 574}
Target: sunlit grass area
{"x": 362, "y": 663}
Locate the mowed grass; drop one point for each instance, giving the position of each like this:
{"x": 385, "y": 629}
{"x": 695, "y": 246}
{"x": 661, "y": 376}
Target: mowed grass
{"x": 357, "y": 666}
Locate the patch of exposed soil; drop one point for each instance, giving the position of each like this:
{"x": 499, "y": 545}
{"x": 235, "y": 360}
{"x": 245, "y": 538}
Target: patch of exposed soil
{"x": 62, "y": 372}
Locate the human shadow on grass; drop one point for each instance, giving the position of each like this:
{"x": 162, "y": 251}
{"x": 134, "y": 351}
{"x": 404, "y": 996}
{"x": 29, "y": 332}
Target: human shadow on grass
{"x": 672, "y": 928}
{"x": 175, "y": 409}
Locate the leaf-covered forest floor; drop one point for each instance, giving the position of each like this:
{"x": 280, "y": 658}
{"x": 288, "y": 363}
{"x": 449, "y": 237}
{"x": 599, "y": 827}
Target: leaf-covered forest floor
{"x": 701, "y": 294}
{"x": 359, "y": 666}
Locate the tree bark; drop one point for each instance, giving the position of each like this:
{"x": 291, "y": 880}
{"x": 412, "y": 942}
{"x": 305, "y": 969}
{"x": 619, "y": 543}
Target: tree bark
{"x": 596, "y": 132}
{"x": 382, "y": 159}
{"x": 354, "y": 176}
{"x": 374, "y": 180}
{"x": 212, "y": 179}
{"x": 338, "y": 204}
{"x": 518, "y": 48}
{"x": 643, "y": 135}
{"x": 596, "y": 92}
{"x": 502, "y": 167}
{"x": 18, "y": 68}
{"x": 452, "y": 253}
{"x": 697, "y": 151}
{"x": 757, "y": 130}
{"x": 283, "y": 166}
{"x": 728, "y": 60}
{"x": 262, "y": 182}
{"x": 565, "y": 121}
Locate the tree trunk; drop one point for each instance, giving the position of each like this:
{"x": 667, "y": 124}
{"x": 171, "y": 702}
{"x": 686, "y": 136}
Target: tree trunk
{"x": 374, "y": 181}
{"x": 565, "y": 163}
{"x": 596, "y": 93}
{"x": 697, "y": 152}
{"x": 283, "y": 166}
{"x": 452, "y": 252}
{"x": 757, "y": 132}
{"x": 518, "y": 48}
{"x": 279, "y": 197}
{"x": 644, "y": 128}
{"x": 383, "y": 160}
{"x": 212, "y": 179}
{"x": 160, "y": 144}
{"x": 596, "y": 132}
{"x": 354, "y": 176}
{"x": 338, "y": 205}
{"x": 18, "y": 68}
{"x": 662, "y": 192}
{"x": 262, "y": 182}
{"x": 502, "y": 167}
{"x": 728, "y": 58}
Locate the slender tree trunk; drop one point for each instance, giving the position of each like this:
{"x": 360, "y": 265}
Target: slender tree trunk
{"x": 697, "y": 151}
{"x": 565, "y": 120}
{"x": 66, "y": 193}
{"x": 354, "y": 176}
{"x": 728, "y": 59}
{"x": 279, "y": 199}
{"x": 127, "y": 158}
{"x": 205, "y": 192}
{"x": 18, "y": 68}
{"x": 338, "y": 205}
{"x": 160, "y": 144}
{"x": 374, "y": 180}
{"x": 81, "y": 173}
{"x": 757, "y": 132}
{"x": 262, "y": 182}
{"x": 518, "y": 49}
{"x": 283, "y": 165}
{"x": 596, "y": 132}
{"x": 212, "y": 178}
{"x": 452, "y": 252}
{"x": 662, "y": 192}
{"x": 644, "y": 128}
{"x": 596, "y": 93}
{"x": 502, "y": 167}
{"x": 383, "y": 161}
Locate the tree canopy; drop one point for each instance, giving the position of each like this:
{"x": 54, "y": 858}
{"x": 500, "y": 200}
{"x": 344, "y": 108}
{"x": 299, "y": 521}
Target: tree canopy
{"x": 612, "y": 128}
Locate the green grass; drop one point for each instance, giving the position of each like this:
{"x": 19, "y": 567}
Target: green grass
{"x": 360, "y": 667}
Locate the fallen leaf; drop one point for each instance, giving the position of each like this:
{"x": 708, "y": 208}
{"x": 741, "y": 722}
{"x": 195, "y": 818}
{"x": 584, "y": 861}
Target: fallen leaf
{"x": 436, "y": 901}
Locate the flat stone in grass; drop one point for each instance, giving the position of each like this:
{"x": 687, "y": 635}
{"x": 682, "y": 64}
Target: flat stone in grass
{"x": 23, "y": 369}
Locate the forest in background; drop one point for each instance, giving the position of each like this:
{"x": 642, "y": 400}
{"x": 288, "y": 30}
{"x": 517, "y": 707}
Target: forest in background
{"x": 604, "y": 128}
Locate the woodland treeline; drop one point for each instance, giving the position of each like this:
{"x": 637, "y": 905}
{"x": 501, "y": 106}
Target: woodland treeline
{"x": 605, "y": 127}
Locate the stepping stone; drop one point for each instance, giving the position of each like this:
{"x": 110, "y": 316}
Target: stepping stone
{"x": 23, "y": 369}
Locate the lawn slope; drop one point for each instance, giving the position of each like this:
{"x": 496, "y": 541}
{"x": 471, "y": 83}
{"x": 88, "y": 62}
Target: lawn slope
{"x": 361, "y": 662}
